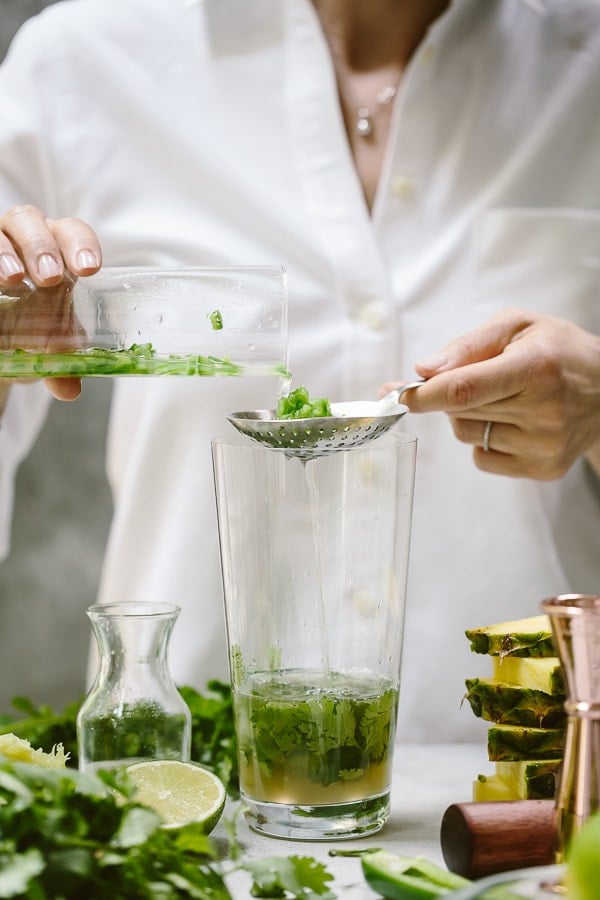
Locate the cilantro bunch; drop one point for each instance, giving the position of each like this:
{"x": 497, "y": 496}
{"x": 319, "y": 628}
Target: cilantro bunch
{"x": 66, "y": 835}
{"x": 63, "y": 834}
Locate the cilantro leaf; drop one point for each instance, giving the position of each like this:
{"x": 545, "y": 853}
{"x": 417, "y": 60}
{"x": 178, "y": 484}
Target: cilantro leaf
{"x": 293, "y": 877}
{"x": 214, "y": 742}
{"x": 17, "y": 869}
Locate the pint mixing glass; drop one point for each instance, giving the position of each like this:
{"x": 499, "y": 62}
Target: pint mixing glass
{"x": 314, "y": 560}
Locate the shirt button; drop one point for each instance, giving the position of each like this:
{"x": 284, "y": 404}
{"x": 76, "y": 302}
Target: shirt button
{"x": 403, "y": 187}
{"x": 371, "y": 315}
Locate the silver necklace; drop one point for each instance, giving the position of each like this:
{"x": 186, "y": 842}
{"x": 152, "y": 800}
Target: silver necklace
{"x": 365, "y": 116}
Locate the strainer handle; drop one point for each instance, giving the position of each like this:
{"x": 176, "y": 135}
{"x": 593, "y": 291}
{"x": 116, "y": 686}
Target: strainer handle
{"x": 407, "y": 386}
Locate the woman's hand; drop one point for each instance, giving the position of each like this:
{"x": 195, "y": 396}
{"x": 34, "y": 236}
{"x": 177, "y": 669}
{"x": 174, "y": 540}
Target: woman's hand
{"x": 535, "y": 378}
{"x": 48, "y": 252}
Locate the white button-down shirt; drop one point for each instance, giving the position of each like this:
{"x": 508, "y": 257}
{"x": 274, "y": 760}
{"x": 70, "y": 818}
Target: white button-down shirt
{"x": 211, "y": 134}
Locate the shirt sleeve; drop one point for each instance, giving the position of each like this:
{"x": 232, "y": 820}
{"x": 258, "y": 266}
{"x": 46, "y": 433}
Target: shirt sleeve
{"x": 26, "y": 80}
{"x": 30, "y": 87}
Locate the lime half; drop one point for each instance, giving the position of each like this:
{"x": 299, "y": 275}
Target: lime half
{"x": 583, "y": 858}
{"x": 180, "y": 792}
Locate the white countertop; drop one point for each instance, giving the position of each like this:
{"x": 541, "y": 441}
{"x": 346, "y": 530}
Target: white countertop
{"x": 427, "y": 780}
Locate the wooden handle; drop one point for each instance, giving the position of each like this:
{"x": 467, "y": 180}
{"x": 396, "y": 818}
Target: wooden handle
{"x": 481, "y": 839}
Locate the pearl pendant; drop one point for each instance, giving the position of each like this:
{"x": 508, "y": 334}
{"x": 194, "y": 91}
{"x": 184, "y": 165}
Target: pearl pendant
{"x": 364, "y": 122}
{"x": 364, "y": 118}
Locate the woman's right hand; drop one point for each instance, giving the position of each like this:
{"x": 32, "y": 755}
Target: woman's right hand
{"x": 51, "y": 253}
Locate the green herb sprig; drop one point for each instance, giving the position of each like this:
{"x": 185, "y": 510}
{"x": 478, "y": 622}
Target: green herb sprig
{"x": 294, "y": 877}
{"x": 214, "y": 741}
{"x": 66, "y": 834}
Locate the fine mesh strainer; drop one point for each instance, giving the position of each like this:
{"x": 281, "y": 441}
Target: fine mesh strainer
{"x": 351, "y": 424}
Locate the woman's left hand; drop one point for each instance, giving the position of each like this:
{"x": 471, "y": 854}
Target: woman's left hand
{"x": 535, "y": 378}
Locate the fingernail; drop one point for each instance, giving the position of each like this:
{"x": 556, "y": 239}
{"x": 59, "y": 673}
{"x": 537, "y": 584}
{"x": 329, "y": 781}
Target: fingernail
{"x": 86, "y": 259}
{"x": 48, "y": 266}
{"x": 435, "y": 361}
{"x": 10, "y": 265}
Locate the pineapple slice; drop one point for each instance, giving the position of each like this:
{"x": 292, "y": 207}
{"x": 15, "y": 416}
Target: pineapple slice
{"x": 520, "y": 637}
{"x": 17, "y": 749}
{"x": 513, "y": 742}
{"x": 530, "y": 779}
{"x": 491, "y": 787}
{"x": 509, "y": 704}
{"x": 538, "y": 674}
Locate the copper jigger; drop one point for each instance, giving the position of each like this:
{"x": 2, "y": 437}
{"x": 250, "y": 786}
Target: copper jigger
{"x": 575, "y": 621}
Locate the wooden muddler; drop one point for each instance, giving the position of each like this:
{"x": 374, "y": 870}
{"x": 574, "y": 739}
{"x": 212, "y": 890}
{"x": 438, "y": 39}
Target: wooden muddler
{"x": 479, "y": 839}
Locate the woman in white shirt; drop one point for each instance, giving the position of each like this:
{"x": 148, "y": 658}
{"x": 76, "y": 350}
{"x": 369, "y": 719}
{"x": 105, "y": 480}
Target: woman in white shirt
{"x": 424, "y": 170}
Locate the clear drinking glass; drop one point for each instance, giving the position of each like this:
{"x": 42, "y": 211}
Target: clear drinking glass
{"x": 148, "y": 321}
{"x": 133, "y": 710}
{"x": 314, "y": 560}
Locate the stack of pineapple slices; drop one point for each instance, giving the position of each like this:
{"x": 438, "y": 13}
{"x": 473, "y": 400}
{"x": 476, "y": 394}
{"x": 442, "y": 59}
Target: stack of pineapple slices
{"x": 524, "y": 701}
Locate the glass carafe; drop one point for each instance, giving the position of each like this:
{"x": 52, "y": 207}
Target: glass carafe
{"x": 575, "y": 620}
{"x": 133, "y": 710}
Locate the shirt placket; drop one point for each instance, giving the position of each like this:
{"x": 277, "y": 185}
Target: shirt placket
{"x": 335, "y": 202}
{"x": 414, "y": 233}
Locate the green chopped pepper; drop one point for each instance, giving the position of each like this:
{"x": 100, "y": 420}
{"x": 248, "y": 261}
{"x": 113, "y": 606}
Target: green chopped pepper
{"x": 216, "y": 320}
{"x": 298, "y": 405}
{"x": 408, "y": 877}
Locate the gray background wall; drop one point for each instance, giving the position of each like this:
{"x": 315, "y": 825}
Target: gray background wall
{"x": 62, "y": 514}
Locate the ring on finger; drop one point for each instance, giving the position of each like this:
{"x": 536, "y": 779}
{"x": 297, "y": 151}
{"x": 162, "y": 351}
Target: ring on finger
{"x": 486, "y": 437}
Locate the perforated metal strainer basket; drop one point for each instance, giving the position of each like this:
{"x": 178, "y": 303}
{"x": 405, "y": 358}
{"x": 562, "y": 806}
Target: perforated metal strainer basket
{"x": 350, "y": 425}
